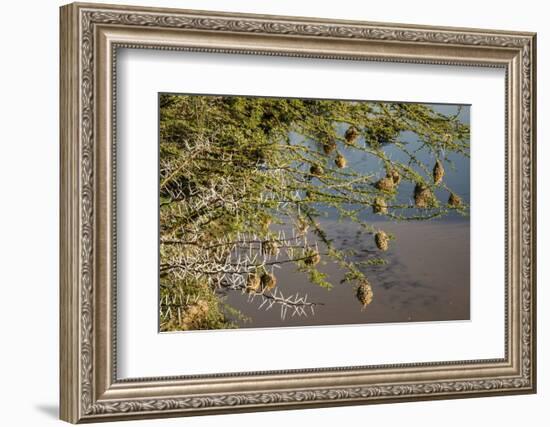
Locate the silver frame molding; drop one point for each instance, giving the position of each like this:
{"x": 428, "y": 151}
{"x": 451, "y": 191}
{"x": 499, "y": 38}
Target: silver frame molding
{"x": 90, "y": 37}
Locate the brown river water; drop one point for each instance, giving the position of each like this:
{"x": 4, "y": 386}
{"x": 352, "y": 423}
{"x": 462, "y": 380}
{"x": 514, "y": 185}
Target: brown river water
{"x": 427, "y": 278}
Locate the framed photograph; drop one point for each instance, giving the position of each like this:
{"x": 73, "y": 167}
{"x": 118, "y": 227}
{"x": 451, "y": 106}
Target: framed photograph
{"x": 266, "y": 212}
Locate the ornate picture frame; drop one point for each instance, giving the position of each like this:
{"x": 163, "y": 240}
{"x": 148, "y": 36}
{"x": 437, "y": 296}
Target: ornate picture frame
{"x": 90, "y": 37}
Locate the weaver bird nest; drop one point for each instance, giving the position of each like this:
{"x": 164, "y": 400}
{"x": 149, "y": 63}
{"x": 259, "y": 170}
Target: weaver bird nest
{"x": 253, "y": 282}
{"x": 382, "y": 240}
{"x": 316, "y": 170}
{"x": 423, "y": 196}
{"x": 340, "y": 161}
{"x": 329, "y": 147}
{"x": 312, "y": 258}
{"x": 394, "y": 175}
{"x": 268, "y": 281}
{"x": 379, "y": 206}
{"x": 364, "y": 293}
{"x": 351, "y": 135}
{"x": 386, "y": 184}
{"x": 454, "y": 200}
{"x": 438, "y": 172}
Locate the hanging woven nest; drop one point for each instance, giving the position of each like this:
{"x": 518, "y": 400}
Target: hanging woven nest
{"x": 394, "y": 175}
{"x": 351, "y": 135}
{"x": 270, "y": 248}
{"x": 329, "y": 147}
{"x": 340, "y": 161}
{"x": 385, "y": 184}
{"x": 312, "y": 258}
{"x": 454, "y": 200}
{"x": 316, "y": 170}
{"x": 268, "y": 281}
{"x": 438, "y": 172}
{"x": 382, "y": 240}
{"x": 379, "y": 206}
{"x": 423, "y": 196}
{"x": 364, "y": 293}
{"x": 253, "y": 283}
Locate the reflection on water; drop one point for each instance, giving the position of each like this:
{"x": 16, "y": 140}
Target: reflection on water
{"x": 427, "y": 278}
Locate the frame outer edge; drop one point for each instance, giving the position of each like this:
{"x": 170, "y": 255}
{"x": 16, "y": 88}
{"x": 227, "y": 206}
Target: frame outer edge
{"x": 533, "y": 212}
{"x": 304, "y": 19}
{"x": 77, "y": 339}
{"x": 69, "y": 355}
